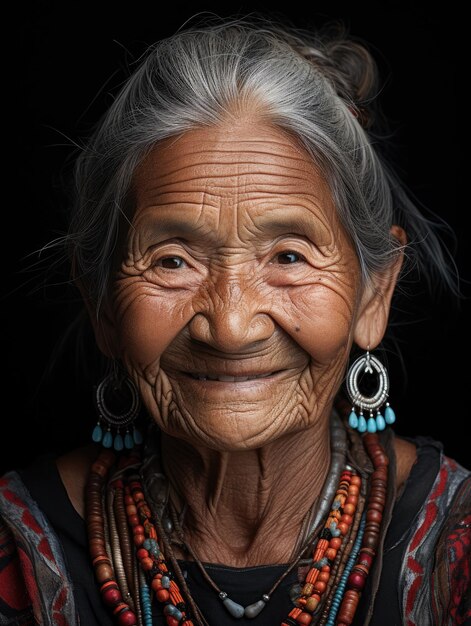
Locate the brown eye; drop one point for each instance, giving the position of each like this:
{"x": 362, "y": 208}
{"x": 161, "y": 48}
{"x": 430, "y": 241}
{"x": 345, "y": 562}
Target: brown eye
{"x": 288, "y": 258}
{"x": 171, "y": 262}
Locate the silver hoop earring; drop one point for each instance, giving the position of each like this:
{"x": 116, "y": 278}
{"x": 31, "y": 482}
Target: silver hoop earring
{"x": 369, "y": 364}
{"x": 108, "y": 420}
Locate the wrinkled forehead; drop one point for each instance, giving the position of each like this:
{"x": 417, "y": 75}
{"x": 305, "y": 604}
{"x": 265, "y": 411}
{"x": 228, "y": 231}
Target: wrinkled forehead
{"x": 236, "y": 180}
{"x": 247, "y": 156}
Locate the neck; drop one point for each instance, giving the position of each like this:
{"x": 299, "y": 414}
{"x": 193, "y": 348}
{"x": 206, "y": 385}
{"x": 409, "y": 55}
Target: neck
{"x": 247, "y": 508}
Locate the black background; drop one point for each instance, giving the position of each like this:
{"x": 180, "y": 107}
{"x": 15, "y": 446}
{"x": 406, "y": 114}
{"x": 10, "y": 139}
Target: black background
{"x": 67, "y": 61}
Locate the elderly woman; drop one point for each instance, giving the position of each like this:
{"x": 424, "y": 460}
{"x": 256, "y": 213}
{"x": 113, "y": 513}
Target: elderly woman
{"x": 237, "y": 241}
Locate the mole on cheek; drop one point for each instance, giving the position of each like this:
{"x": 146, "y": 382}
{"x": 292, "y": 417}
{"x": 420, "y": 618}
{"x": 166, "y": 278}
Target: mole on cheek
{"x": 297, "y": 328}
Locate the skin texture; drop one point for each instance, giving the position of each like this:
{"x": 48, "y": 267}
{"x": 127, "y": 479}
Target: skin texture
{"x": 236, "y": 264}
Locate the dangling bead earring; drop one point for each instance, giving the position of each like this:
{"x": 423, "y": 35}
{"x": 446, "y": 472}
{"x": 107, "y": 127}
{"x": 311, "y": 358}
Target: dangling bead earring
{"x": 118, "y": 422}
{"x": 368, "y": 364}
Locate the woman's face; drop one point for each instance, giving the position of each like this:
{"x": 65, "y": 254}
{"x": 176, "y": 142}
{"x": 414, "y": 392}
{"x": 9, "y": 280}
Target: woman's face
{"x": 236, "y": 304}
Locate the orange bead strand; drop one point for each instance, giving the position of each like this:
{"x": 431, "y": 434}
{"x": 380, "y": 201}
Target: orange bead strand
{"x": 374, "y": 512}
{"x": 325, "y": 552}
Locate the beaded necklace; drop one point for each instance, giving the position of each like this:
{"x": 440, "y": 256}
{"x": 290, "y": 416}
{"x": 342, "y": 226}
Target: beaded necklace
{"x": 134, "y": 562}
{"x": 325, "y": 552}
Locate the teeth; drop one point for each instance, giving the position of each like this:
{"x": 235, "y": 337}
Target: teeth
{"x": 229, "y": 379}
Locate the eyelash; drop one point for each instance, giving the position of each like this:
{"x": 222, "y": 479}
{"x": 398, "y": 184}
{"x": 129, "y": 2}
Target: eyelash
{"x": 300, "y": 258}
{"x": 164, "y": 258}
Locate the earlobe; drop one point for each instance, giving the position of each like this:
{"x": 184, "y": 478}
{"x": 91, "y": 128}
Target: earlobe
{"x": 373, "y": 312}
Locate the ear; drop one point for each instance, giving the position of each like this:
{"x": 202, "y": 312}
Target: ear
{"x": 102, "y": 323}
{"x": 373, "y": 312}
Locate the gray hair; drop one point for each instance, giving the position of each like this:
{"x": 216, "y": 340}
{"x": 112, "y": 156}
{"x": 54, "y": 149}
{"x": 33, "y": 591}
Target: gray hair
{"x": 320, "y": 89}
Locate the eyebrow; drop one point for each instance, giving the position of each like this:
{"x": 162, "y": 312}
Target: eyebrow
{"x": 170, "y": 225}
{"x": 273, "y": 221}
{"x": 299, "y": 223}
{"x": 167, "y": 228}
{"x": 279, "y": 225}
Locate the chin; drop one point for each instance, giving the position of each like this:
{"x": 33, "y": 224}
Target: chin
{"x": 227, "y": 433}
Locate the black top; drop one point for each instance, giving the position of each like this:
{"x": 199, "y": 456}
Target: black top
{"x": 244, "y": 585}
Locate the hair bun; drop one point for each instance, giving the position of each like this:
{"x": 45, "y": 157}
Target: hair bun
{"x": 352, "y": 71}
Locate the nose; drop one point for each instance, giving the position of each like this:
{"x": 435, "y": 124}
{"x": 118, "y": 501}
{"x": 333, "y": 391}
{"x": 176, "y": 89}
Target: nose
{"x": 233, "y": 318}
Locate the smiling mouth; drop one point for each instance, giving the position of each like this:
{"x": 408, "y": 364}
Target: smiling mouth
{"x": 223, "y": 378}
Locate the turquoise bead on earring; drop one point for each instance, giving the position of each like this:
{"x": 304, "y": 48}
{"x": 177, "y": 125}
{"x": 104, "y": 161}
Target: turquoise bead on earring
{"x": 380, "y": 422}
{"x": 128, "y": 441}
{"x": 107, "y": 439}
{"x": 374, "y": 423}
{"x": 352, "y": 421}
{"x": 118, "y": 443}
{"x": 389, "y": 415}
{"x": 97, "y": 434}
{"x": 371, "y": 425}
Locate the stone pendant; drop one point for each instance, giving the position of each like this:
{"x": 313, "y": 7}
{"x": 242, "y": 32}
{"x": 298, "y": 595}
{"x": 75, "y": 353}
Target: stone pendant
{"x": 254, "y": 609}
{"x": 238, "y": 611}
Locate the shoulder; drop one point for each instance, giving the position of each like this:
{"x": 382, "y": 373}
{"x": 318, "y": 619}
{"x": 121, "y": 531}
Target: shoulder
{"x": 14, "y": 596}
{"x": 452, "y": 571}
{"x": 436, "y": 568}
{"x": 16, "y": 505}
{"x": 35, "y": 586}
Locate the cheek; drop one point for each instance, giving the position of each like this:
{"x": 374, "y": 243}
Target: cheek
{"x": 319, "y": 318}
{"x": 148, "y": 323}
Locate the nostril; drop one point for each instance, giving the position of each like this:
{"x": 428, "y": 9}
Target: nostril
{"x": 199, "y": 328}
{"x": 231, "y": 330}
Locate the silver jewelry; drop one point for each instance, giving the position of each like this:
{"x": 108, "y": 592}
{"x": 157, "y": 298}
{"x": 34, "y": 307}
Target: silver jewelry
{"x": 109, "y": 420}
{"x": 369, "y": 364}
